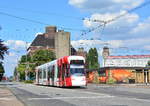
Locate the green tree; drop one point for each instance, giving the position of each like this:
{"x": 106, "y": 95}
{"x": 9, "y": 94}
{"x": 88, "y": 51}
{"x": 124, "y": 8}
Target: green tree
{"x": 3, "y": 51}
{"x": 92, "y": 59}
{"x": 21, "y": 71}
{"x": 1, "y": 71}
{"x": 29, "y": 62}
{"x": 148, "y": 63}
{"x": 42, "y": 56}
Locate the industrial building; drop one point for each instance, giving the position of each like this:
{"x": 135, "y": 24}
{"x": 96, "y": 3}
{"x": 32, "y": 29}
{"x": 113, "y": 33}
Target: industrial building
{"x": 56, "y": 41}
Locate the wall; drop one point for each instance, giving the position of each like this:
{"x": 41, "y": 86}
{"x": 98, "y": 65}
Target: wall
{"x": 62, "y": 44}
{"x": 119, "y": 75}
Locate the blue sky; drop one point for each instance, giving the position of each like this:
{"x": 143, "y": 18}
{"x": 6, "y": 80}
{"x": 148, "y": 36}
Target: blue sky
{"x": 128, "y": 35}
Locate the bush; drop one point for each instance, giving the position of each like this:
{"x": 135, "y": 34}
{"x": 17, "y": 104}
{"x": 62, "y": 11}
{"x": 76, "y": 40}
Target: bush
{"x": 96, "y": 79}
{"x": 110, "y": 81}
{"x": 28, "y": 81}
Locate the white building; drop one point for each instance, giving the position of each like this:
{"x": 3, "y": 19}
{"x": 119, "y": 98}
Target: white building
{"x": 126, "y": 61}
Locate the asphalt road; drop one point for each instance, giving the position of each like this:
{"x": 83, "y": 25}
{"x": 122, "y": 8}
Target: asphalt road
{"x": 93, "y": 95}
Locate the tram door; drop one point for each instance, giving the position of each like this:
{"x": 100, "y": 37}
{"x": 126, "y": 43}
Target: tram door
{"x": 63, "y": 75}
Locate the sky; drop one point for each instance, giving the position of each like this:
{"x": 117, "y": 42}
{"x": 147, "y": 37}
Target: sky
{"x": 21, "y": 20}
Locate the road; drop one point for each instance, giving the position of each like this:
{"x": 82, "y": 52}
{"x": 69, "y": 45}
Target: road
{"x": 93, "y": 95}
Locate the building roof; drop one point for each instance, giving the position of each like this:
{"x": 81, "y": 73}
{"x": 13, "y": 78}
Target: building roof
{"x": 128, "y": 56}
{"x": 43, "y": 40}
{"x": 124, "y": 67}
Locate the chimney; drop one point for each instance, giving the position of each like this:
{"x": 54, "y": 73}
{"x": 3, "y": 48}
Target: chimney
{"x": 51, "y": 29}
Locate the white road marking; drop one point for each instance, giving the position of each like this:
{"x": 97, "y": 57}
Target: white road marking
{"x": 91, "y": 97}
{"x": 136, "y": 99}
{"x": 7, "y": 99}
{"x": 142, "y": 100}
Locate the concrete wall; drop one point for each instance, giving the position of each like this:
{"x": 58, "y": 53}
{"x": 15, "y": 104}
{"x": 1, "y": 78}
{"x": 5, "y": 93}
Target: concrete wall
{"x": 62, "y": 44}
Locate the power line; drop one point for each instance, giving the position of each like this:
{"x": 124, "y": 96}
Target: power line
{"x": 21, "y": 18}
{"x": 114, "y": 19}
{"x": 37, "y": 22}
{"x": 46, "y": 13}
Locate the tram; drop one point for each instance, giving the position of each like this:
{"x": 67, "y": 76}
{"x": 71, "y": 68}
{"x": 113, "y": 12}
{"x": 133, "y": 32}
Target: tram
{"x": 67, "y": 71}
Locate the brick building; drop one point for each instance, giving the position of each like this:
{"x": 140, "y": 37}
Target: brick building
{"x": 57, "y": 41}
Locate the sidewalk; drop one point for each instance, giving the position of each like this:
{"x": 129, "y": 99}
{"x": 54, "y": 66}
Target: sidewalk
{"x": 123, "y": 85}
{"x": 7, "y": 98}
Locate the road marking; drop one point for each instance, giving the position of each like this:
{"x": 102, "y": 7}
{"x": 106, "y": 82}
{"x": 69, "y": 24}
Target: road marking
{"x": 137, "y": 99}
{"x": 91, "y": 97}
{"x": 142, "y": 100}
{"x": 7, "y": 99}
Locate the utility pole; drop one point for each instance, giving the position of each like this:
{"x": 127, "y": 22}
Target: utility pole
{"x": 27, "y": 63}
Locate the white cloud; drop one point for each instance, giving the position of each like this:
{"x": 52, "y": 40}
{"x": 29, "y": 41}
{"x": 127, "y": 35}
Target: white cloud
{"x": 105, "y": 5}
{"x": 77, "y": 2}
{"x": 142, "y": 28}
{"x": 129, "y": 19}
{"x": 147, "y": 47}
{"x": 16, "y": 49}
{"x": 15, "y": 44}
{"x": 96, "y": 43}
{"x": 11, "y": 54}
{"x": 116, "y": 29}
{"x": 137, "y": 42}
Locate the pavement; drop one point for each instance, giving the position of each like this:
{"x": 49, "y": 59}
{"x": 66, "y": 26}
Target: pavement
{"x": 124, "y": 85}
{"x": 7, "y": 98}
{"x": 20, "y": 94}
{"x": 93, "y": 95}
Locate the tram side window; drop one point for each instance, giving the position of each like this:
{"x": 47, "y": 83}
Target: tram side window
{"x": 49, "y": 72}
{"x": 44, "y": 73}
{"x": 40, "y": 74}
{"x": 58, "y": 74}
{"x": 53, "y": 73}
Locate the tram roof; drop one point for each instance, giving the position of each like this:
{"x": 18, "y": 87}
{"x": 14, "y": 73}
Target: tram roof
{"x": 46, "y": 64}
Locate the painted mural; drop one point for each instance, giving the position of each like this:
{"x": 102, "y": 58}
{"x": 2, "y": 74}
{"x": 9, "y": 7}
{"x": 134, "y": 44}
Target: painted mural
{"x": 120, "y": 75}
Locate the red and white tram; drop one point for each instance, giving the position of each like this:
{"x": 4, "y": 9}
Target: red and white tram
{"x": 64, "y": 72}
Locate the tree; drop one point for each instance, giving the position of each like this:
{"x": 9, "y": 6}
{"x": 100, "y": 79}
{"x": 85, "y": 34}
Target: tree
{"x": 92, "y": 59}
{"x": 43, "y": 56}
{"x": 29, "y": 62}
{"x": 3, "y": 51}
{"x": 1, "y": 71}
{"x": 148, "y": 63}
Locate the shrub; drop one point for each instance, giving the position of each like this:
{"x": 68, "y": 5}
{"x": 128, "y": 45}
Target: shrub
{"x": 110, "y": 81}
{"x": 28, "y": 81}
